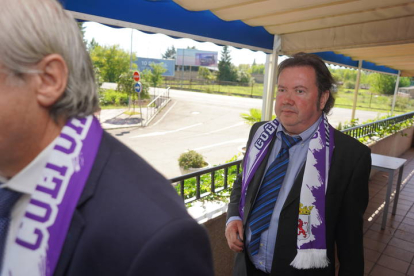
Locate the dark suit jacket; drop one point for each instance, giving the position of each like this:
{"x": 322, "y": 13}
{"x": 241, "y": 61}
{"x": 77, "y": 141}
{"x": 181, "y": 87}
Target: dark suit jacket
{"x": 130, "y": 221}
{"x": 346, "y": 201}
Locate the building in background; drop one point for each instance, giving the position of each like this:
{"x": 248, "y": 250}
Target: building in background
{"x": 169, "y": 64}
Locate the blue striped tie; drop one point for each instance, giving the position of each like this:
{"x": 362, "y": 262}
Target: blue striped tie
{"x": 262, "y": 210}
{"x": 7, "y": 199}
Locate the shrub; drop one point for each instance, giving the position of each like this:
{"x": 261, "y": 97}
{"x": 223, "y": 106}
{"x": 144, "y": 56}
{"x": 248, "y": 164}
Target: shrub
{"x": 111, "y": 97}
{"x": 402, "y": 103}
{"x": 254, "y": 116}
{"x": 190, "y": 185}
{"x": 349, "y": 85}
{"x": 191, "y": 159}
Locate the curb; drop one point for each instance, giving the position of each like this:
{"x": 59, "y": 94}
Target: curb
{"x": 106, "y": 126}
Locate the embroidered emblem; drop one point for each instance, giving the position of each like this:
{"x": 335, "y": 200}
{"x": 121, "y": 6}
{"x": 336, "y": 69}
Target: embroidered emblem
{"x": 304, "y": 230}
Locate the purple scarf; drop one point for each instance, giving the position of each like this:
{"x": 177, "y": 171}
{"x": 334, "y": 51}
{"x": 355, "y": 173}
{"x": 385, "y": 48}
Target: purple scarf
{"x": 46, "y": 222}
{"x": 311, "y": 242}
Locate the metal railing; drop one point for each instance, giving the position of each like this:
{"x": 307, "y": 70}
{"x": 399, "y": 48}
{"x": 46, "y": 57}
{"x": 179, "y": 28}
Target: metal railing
{"x": 372, "y": 128}
{"x": 215, "y": 186}
{"x": 157, "y": 104}
{"x": 356, "y": 132}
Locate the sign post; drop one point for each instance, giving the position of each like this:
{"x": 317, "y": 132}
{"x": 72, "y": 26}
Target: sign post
{"x": 138, "y": 89}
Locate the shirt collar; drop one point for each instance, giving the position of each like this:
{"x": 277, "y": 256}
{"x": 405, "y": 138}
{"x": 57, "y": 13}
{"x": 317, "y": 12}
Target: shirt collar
{"x": 26, "y": 180}
{"x": 306, "y": 135}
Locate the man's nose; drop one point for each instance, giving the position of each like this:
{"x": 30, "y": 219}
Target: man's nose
{"x": 288, "y": 98}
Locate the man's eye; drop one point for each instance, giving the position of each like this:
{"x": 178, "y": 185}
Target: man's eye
{"x": 300, "y": 91}
{"x": 281, "y": 90}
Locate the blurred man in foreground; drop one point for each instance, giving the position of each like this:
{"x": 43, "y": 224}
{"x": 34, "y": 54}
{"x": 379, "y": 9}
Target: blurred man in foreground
{"x": 74, "y": 200}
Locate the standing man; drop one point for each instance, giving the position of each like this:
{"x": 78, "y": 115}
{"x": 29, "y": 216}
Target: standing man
{"x": 304, "y": 186}
{"x": 75, "y": 201}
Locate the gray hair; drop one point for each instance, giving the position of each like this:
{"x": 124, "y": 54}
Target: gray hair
{"x": 33, "y": 29}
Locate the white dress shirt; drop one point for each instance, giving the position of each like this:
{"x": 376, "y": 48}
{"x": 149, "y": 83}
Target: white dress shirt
{"x": 24, "y": 182}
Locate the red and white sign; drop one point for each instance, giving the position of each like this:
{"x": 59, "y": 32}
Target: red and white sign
{"x": 136, "y": 76}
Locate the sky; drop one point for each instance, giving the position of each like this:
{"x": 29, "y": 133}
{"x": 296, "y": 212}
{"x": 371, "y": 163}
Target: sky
{"x": 154, "y": 45}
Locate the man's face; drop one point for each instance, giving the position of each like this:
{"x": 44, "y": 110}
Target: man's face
{"x": 297, "y": 106}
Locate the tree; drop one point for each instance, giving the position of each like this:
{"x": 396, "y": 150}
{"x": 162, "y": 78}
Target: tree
{"x": 154, "y": 76}
{"x": 227, "y": 71}
{"x": 112, "y": 61}
{"x": 170, "y": 53}
{"x": 98, "y": 76}
{"x": 244, "y": 77}
{"x": 204, "y": 73}
{"x": 258, "y": 69}
{"x": 243, "y": 74}
{"x": 245, "y": 68}
{"x": 82, "y": 30}
{"x": 126, "y": 84}
{"x": 92, "y": 44}
{"x": 385, "y": 84}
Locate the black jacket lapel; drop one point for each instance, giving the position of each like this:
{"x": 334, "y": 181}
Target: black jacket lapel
{"x": 75, "y": 230}
{"x": 78, "y": 223}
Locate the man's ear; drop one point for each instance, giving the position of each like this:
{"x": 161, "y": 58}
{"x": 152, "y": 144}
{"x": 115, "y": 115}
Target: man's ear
{"x": 52, "y": 80}
{"x": 323, "y": 100}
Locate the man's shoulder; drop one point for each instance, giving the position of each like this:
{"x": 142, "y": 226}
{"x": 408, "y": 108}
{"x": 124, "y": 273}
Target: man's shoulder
{"x": 348, "y": 142}
{"x": 124, "y": 174}
{"x": 135, "y": 204}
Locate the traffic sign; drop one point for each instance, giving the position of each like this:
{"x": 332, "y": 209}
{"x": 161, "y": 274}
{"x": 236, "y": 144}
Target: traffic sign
{"x": 138, "y": 87}
{"x": 136, "y": 76}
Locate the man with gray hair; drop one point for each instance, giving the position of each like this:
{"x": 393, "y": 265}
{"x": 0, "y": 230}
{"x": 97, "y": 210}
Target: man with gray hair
{"x": 74, "y": 200}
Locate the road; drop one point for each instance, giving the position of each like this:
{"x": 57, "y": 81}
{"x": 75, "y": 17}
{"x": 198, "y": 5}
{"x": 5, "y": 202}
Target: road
{"x": 208, "y": 123}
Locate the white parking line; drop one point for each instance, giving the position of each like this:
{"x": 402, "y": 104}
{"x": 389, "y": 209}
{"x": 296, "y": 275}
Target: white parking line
{"x": 166, "y": 112}
{"x": 218, "y": 130}
{"x": 224, "y": 128}
{"x": 165, "y": 132}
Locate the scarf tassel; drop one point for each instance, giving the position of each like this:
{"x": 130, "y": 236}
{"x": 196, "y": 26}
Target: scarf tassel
{"x": 310, "y": 258}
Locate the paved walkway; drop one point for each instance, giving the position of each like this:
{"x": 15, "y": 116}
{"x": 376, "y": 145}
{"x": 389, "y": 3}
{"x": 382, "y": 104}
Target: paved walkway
{"x": 115, "y": 118}
{"x": 390, "y": 252}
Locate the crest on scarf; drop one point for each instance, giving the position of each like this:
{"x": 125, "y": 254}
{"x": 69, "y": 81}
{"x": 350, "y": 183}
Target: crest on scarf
{"x": 304, "y": 223}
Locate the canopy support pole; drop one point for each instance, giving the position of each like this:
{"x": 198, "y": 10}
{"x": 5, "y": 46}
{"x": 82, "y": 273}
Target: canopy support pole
{"x": 356, "y": 89}
{"x": 270, "y": 79}
{"x": 395, "y": 92}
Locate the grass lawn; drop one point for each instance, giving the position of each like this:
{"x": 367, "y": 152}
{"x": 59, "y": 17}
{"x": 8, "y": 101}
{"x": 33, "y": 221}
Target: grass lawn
{"x": 368, "y": 100}
{"x": 256, "y": 89}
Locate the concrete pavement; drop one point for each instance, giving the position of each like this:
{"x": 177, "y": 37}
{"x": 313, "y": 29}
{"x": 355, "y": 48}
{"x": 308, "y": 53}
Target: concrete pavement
{"x": 114, "y": 118}
{"x": 208, "y": 123}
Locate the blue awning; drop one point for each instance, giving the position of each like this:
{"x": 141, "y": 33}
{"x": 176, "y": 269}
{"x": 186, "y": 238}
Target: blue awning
{"x": 170, "y": 18}
{"x": 347, "y": 61}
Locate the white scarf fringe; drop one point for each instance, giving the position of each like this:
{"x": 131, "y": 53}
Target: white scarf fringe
{"x": 310, "y": 258}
